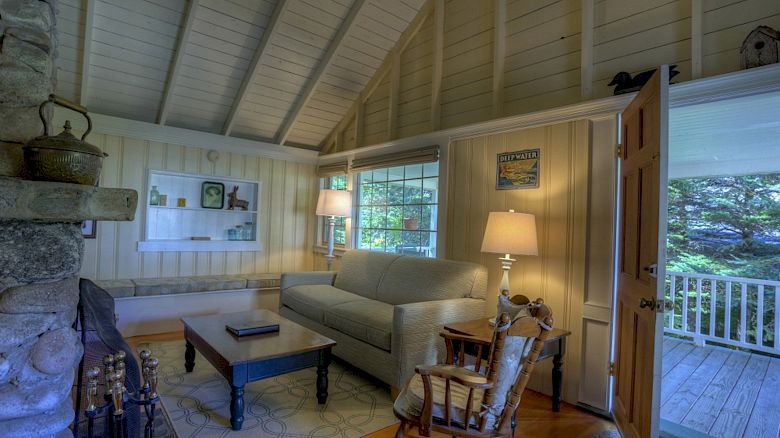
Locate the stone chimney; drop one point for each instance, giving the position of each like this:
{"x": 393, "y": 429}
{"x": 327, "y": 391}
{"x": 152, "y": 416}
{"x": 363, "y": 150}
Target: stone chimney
{"x": 41, "y": 244}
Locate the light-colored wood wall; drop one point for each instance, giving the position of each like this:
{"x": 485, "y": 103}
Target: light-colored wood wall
{"x": 286, "y": 213}
{"x": 470, "y": 61}
{"x": 562, "y": 274}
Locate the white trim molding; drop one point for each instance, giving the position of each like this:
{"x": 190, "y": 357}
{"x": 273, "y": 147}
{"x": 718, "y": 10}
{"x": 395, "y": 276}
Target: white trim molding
{"x": 110, "y": 125}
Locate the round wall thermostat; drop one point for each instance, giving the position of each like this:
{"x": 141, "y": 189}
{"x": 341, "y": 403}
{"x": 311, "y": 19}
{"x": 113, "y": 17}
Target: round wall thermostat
{"x": 212, "y": 156}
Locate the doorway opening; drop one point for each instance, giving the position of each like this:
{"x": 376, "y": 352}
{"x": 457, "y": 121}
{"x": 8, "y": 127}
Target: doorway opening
{"x": 721, "y": 347}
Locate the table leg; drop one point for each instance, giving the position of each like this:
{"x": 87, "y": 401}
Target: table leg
{"x": 557, "y": 378}
{"x": 189, "y": 357}
{"x": 236, "y": 406}
{"x": 322, "y": 376}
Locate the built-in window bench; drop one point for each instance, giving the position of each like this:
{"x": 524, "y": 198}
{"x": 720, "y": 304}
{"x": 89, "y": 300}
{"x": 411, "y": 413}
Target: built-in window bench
{"x": 155, "y": 305}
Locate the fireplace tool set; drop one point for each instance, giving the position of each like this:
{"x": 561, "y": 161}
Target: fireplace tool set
{"x": 116, "y": 396}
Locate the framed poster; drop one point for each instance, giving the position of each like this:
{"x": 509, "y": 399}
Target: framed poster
{"x": 89, "y": 228}
{"x": 517, "y": 170}
{"x": 212, "y": 195}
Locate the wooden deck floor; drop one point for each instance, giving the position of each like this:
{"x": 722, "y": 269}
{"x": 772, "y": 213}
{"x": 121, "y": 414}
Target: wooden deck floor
{"x": 721, "y": 392}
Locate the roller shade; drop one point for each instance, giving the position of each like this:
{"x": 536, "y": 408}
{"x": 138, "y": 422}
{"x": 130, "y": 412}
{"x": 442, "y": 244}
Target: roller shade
{"x": 332, "y": 169}
{"x": 427, "y": 154}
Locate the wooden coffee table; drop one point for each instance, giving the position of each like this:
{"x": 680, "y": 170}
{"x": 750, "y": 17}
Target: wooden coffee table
{"x": 250, "y": 358}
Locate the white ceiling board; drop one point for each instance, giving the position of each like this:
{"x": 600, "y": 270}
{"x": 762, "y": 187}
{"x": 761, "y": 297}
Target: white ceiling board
{"x": 132, "y": 49}
{"x": 220, "y": 50}
{"x": 135, "y": 71}
{"x": 728, "y": 137}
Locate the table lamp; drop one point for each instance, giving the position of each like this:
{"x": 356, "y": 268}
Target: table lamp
{"x": 332, "y": 203}
{"x": 509, "y": 233}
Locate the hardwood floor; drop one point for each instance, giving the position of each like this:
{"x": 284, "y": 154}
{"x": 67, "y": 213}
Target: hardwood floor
{"x": 722, "y": 392}
{"x": 534, "y": 413}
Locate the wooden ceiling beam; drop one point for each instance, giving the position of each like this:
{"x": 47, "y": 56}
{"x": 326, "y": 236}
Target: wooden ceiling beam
{"x": 86, "y": 51}
{"x": 257, "y": 61}
{"x": 323, "y": 65}
{"x": 173, "y": 74}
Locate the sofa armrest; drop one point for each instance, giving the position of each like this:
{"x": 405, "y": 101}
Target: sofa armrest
{"x": 416, "y": 326}
{"x": 290, "y": 279}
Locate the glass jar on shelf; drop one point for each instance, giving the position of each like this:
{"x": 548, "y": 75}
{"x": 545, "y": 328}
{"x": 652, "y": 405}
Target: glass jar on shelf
{"x": 232, "y": 234}
{"x": 154, "y": 196}
{"x": 248, "y": 231}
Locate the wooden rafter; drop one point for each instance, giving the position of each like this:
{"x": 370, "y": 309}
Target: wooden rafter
{"x": 86, "y": 51}
{"x": 586, "y": 49}
{"x": 257, "y": 61}
{"x": 173, "y": 75}
{"x": 696, "y": 38}
{"x": 499, "y": 55}
{"x": 438, "y": 61}
{"x": 323, "y": 65}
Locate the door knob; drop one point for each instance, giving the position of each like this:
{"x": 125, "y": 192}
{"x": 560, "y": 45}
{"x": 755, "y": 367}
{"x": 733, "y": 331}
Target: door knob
{"x": 648, "y": 303}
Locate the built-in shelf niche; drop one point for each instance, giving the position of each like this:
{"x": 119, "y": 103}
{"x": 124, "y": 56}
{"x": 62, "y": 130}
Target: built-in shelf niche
{"x": 171, "y": 228}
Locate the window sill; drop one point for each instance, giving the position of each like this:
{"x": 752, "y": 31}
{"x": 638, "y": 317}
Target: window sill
{"x": 337, "y": 251}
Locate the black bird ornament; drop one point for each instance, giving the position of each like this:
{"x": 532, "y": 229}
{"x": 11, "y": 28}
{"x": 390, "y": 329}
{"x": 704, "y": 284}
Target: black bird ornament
{"x": 624, "y": 83}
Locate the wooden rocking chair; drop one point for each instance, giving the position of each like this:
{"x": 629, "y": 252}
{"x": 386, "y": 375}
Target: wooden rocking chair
{"x": 460, "y": 401}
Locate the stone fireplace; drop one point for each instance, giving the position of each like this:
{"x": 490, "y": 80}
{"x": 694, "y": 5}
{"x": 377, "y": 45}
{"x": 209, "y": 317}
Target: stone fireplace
{"x": 41, "y": 244}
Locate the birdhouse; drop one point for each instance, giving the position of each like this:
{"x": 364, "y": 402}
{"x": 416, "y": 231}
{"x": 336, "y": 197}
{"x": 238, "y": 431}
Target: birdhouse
{"x": 760, "y": 47}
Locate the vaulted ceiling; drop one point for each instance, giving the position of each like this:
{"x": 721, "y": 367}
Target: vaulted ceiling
{"x": 283, "y": 71}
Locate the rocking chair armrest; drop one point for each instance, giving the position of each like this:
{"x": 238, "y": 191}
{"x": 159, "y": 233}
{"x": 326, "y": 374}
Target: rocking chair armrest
{"x": 456, "y": 374}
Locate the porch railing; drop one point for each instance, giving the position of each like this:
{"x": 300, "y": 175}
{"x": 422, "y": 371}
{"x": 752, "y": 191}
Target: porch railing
{"x": 737, "y": 311}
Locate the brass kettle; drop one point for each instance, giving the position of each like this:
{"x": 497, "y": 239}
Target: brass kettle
{"x": 63, "y": 157}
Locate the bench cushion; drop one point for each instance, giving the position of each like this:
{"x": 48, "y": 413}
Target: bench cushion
{"x": 117, "y": 288}
{"x": 370, "y": 321}
{"x": 217, "y": 282}
{"x": 145, "y": 287}
{"x": 261, "y": 281}
{"x": 312, "y": 300}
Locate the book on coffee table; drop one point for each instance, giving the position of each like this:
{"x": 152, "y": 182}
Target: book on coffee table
{"x": 252, "y": 328}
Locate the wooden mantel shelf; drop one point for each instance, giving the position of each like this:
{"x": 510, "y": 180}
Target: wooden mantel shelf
{"x": 45, "y": 201}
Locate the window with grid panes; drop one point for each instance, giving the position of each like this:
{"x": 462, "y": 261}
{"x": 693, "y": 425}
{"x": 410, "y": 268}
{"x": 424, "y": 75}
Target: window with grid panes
{"x": 340, "y": 231}
{"x": 397, "y": 209}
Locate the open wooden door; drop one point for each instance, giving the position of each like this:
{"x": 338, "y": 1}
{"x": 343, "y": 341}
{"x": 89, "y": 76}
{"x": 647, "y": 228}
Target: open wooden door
{"x": 639, "y": 329}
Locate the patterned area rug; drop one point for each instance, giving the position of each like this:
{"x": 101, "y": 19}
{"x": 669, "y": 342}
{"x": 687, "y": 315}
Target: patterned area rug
{"x": 198, "y": 403}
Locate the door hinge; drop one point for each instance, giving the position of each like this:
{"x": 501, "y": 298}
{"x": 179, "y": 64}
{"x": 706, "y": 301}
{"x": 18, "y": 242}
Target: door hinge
{"x": 612, "y": 368}
{"x": 619, "y": 150}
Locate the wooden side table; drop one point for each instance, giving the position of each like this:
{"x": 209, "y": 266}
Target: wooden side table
{"x": 554, "y": 347}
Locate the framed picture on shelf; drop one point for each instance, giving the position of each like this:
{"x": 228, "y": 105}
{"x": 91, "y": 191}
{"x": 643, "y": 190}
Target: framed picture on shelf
{"x": 212, "y": 195}
{"x": 517, "y": 170}
{"x": 89, "y": 228}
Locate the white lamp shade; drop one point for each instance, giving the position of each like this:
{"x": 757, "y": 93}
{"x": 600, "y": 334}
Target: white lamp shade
{"x": 334, "y": 203}
{"x": 510, "y": 233}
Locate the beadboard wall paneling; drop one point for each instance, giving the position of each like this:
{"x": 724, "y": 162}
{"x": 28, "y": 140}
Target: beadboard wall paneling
{"x": 450, "y": 77}
{"x": 725, "y": 24}
{"x": 286, "y": 219}
{"x": 558, "y": 274}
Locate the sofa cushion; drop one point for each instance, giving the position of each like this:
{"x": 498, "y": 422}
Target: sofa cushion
{"x": 370, "y": 321}
{"x": 415, "y": 279}
{"x": 312, "y": 300}
{"x": 163, "y": 286}
{"x": 361, "y": 271}
{"x": 217, "y": 282}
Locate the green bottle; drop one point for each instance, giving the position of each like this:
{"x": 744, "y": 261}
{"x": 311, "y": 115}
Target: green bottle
{"x": 154, "y": 196}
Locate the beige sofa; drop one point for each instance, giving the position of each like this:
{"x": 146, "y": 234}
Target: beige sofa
{"x": 385, "y": 310}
